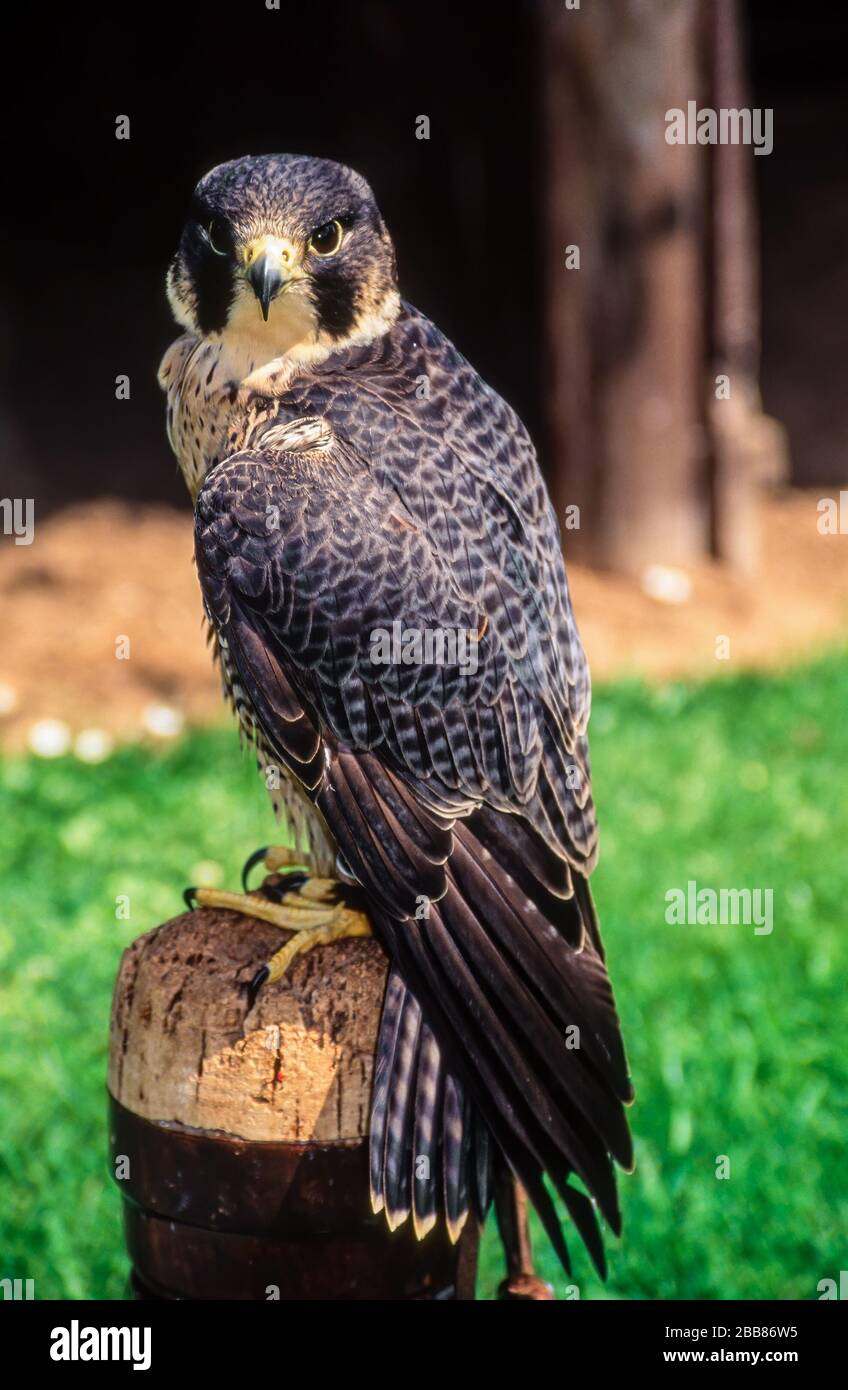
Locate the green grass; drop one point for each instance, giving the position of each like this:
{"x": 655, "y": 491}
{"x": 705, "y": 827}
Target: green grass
{"x": 736, "y": 1041}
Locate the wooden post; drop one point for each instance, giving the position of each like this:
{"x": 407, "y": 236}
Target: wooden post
{"x": 652, "y": 289}
{"x": 239, "y": 1139}
{"x": 624, "y": 324}
{"x": 749, "y": 450}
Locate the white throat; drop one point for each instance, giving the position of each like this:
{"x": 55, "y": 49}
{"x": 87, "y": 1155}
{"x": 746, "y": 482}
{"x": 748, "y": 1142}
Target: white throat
{"x": 251, "y": 349}
{"x": 208, "y": 380}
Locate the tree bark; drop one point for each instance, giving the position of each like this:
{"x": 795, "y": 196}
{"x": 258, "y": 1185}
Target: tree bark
{"x": 665, "y": 296}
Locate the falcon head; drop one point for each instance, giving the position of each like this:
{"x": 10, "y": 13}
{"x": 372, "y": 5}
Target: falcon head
{"x": 286, "y": 252}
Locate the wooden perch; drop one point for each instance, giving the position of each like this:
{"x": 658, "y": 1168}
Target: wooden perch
{"x": 239, "y": 1139}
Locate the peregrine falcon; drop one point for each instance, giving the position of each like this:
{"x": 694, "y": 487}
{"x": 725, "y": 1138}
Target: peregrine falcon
{"x": 382, "y": 572}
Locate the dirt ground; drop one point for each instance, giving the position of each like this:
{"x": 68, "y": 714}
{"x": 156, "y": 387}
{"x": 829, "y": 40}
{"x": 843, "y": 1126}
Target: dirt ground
{"x": 105, "y": 572}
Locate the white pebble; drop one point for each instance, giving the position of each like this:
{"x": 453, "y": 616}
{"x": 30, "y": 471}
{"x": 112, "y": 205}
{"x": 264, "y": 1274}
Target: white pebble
{"x": 49, "y": 738}
{"x": 162, "y": 720}
{"x": 665, "y": 584}
{"x": 93, "y": 745}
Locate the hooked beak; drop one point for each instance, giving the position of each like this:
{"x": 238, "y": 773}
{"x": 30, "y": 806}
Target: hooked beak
{"x": 269, "y": 262}
{"x": 266, "y": 280}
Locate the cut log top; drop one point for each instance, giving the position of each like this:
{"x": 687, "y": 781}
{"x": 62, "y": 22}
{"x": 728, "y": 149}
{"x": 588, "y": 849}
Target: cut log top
{"x": 297, "y": 1068}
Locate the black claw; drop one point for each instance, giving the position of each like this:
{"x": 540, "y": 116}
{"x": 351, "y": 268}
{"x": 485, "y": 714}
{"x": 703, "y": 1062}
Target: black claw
{"x": 276, "y": 886}
{"x": 256, "y": 984}
{"x": 188, "y": 898}
{"x": 255, "y": 858}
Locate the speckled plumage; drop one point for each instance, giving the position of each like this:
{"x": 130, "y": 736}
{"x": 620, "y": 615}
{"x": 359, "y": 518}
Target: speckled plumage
{"x": 338, "y": 492}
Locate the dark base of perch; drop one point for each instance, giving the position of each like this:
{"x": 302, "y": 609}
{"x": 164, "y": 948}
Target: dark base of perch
{"x": 210, "y": 1217}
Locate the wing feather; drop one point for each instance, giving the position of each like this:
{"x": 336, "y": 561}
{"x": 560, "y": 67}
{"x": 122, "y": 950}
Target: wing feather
{"x": 463, "y": 790}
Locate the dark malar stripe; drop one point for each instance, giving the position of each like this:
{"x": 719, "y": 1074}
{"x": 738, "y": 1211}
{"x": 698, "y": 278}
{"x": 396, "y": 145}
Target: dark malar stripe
{"x": 335, "y": 302}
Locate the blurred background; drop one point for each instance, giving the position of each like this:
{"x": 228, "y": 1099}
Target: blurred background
{"x": 683, "y": 377}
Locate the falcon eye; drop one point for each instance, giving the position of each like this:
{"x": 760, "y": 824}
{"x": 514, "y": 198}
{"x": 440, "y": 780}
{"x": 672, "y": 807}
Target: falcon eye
{"x": 326, "y": 240}
{"x": 218, "y": 236}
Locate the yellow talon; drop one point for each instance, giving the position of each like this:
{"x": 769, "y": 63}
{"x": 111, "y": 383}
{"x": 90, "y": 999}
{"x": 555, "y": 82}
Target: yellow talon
{"x": 281, "y": 857}
{"x": 290, "y": 915}
{"x": 347, "y": 924}
{"x": 315, "y": 912}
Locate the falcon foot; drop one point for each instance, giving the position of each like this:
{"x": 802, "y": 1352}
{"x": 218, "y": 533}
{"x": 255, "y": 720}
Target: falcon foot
{"x": 317, "y": 910}
{"x": 525, "y": 1288}
{"x": 342, "y": 924}
{"x": 522, "y": 1284}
